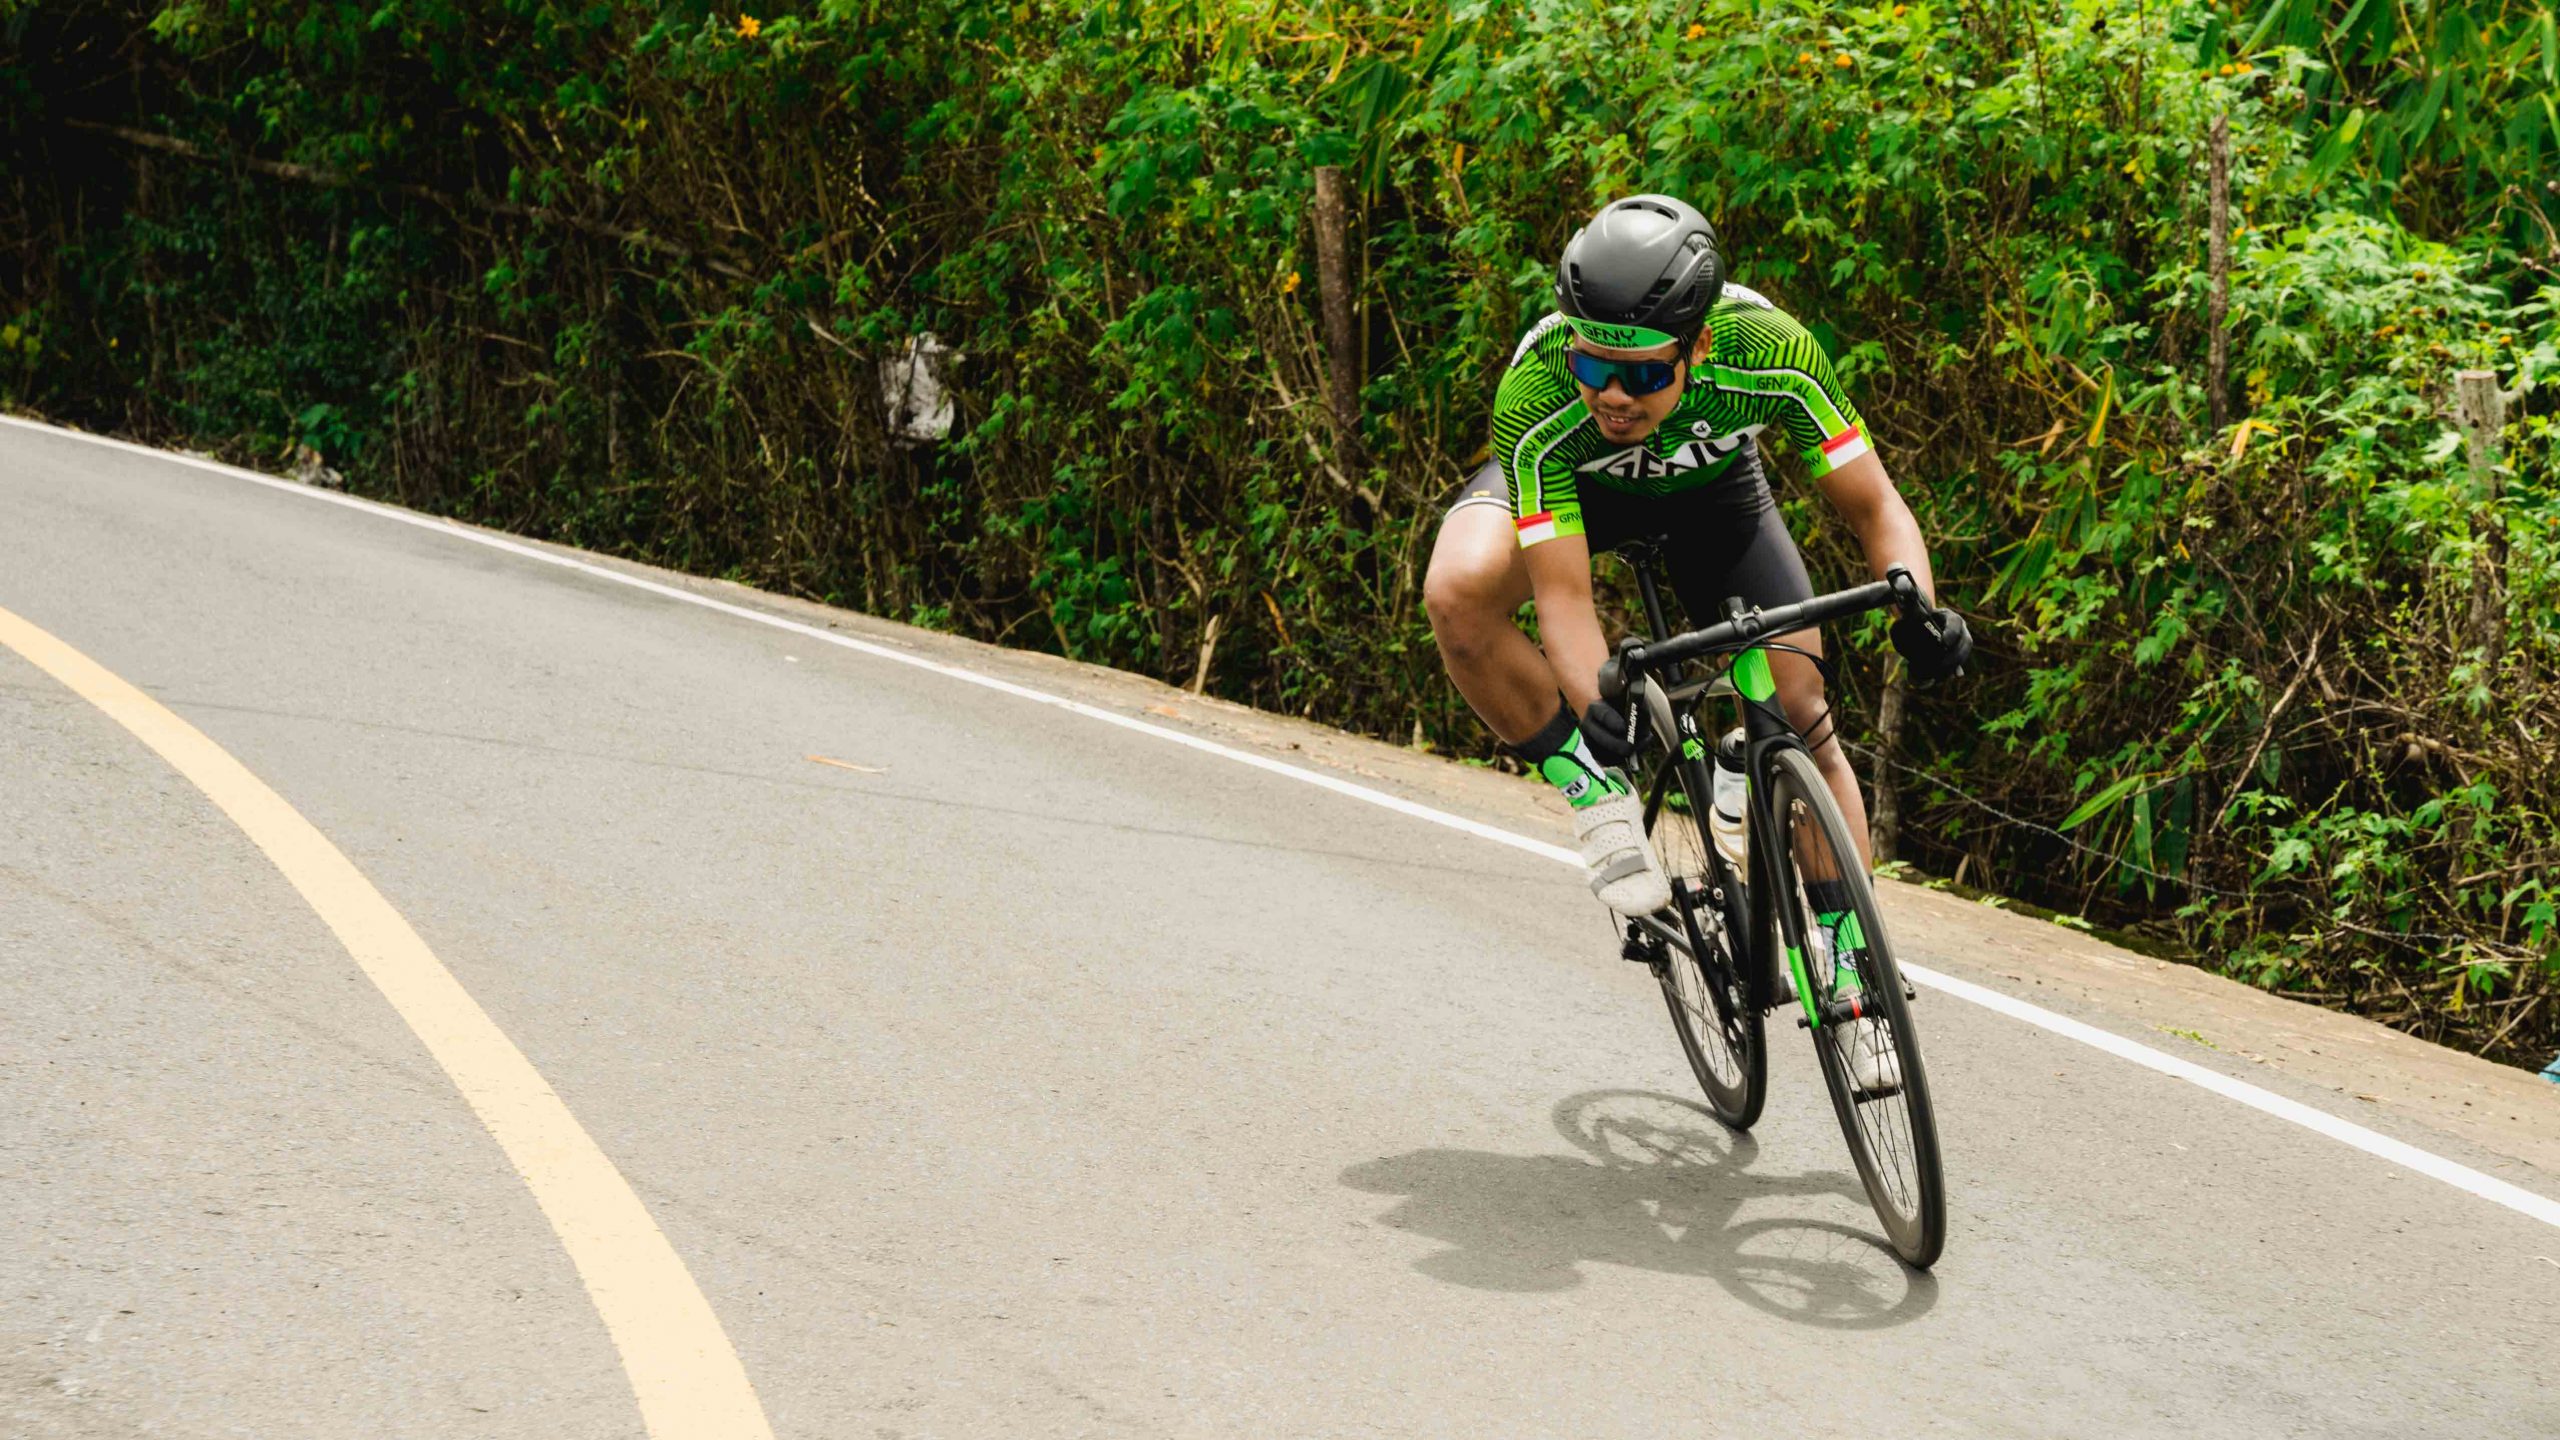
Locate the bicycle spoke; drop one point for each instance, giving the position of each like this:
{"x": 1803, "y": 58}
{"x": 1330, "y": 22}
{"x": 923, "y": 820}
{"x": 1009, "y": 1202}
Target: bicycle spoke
{"x": 1890, "y": 1132}
{"x": 1718, "y": 1031}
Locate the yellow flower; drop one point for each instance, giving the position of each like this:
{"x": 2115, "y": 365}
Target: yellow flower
{"x": 1841, "y": 60}
{"x": 1806, "y": 57}
{"x": 1696, "y": 32}
{"x": 1901, "y": 10}
{"x": 1290, "y": 285}
{"x": 748, "y": 25}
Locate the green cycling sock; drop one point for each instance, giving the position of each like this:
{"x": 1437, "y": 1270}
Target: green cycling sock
{"x": 1839, "y": 920}
{"x": 1565, "y": 758}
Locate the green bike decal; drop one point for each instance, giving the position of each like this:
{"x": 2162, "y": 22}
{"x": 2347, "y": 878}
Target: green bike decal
{"x": 1694, "y": 748}
{"x": 1804, "y": 987}
{"x": 1847, "y": 937}
{"x": 1751, "y": 675}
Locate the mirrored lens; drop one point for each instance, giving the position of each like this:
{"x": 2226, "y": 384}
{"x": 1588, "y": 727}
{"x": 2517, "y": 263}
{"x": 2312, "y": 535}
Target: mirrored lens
{"x": 1636, "y": 377}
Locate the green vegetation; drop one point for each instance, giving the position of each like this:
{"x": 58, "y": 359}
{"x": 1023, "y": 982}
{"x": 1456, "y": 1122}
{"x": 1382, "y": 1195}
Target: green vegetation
{"x": 623, "y": 276}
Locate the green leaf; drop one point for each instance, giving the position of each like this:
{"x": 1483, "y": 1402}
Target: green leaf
{"x": 2100, "y": 801}
{"x": 2423, "y": 119}
{"x": 2335, "y": 150}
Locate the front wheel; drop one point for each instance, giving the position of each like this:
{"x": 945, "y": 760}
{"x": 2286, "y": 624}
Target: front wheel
{"x": 1851, "y": 988}
{"x": 1702, "y": 982}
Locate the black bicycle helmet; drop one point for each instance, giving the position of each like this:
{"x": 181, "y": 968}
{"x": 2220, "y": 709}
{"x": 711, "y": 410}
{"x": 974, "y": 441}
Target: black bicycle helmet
{"x": 1644, "y": 272}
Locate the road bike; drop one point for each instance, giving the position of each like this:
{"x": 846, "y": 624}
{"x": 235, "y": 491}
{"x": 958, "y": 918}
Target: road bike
{"x": 1716, "y": 949}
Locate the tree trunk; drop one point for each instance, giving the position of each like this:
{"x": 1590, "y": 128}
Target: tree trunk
{"x": 2481, "y": 409}
{"x": 1884, "y": 817}
{"x": 1342, "y": 353}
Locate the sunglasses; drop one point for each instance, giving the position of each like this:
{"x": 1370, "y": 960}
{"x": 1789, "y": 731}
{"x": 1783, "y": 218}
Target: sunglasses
{"x": 1636, "y": 377}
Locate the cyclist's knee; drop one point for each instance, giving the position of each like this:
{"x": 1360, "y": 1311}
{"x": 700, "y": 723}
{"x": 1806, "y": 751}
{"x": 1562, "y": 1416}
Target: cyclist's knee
{"x": 1465, "y": 591}
{"x": 1811, "y": 714}
{"x": 1829, "y": 757}
{"x": 1801, "y": 694}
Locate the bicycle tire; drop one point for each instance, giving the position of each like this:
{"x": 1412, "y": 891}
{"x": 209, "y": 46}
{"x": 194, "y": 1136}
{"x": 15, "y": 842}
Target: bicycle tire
{"x": 1726, "y": 1044}
{"x": 1899, "y": 1163}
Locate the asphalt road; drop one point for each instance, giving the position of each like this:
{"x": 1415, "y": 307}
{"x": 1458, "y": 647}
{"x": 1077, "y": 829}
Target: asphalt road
{"x": 1041, "y": 1077}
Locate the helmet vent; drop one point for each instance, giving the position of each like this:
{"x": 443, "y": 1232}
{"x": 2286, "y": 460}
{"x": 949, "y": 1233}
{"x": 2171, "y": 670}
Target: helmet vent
{"x": 1647, "y": 260}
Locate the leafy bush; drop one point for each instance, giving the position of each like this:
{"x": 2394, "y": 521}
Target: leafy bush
{"x": 624, "y": 276}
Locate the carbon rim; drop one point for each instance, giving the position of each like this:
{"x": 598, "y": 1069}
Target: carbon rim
{"x": 1892, "y": 1137}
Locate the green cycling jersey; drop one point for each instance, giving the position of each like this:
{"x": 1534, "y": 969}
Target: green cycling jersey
{"x": 1761, "y": 369}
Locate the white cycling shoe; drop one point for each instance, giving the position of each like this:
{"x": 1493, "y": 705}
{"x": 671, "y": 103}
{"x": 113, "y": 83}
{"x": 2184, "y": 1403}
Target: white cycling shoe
{"x": 1621, "y": 867}
{"x": 1875, "y": 1067}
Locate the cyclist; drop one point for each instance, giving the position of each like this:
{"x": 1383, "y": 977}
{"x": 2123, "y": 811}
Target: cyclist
{"x": 1630, "y": 412}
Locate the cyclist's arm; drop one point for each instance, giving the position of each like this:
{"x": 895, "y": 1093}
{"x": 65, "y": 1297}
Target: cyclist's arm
{"x": 1533, "y": 413}
{"x": 1790, "y": 378}
{"x": 1866, "y": 498}
{"x": 1568, "y": 620}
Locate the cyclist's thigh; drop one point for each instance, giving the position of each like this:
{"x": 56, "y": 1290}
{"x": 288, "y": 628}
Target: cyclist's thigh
{"x": 1744, "y": 549}
{"x": 1729, "y": 540}
{"x": 1475, "y": 561}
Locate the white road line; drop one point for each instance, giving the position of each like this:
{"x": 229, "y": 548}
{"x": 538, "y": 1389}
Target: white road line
{"x": 2346, "y": 1132}
{"x": 2461, "y": 1177}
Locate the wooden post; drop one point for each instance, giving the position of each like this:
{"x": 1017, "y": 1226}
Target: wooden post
{"x": 1208, "y": 649}
{"x": 1884, "y": 818}
{"x": 2480, "y": 408}
{"x": 1342, "y": 355}
{"x": 2217, "y": 365}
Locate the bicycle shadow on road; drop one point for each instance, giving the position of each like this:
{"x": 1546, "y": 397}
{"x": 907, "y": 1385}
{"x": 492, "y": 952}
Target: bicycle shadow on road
{"x": 1658, "y": 1186}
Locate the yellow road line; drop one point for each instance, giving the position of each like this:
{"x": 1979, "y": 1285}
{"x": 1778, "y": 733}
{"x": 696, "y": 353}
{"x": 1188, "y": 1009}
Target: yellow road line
{"x": 685, "y": 1373}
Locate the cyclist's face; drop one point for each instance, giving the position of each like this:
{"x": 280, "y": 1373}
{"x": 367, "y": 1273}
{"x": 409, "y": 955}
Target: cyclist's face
{"x": 1625, "y": 419}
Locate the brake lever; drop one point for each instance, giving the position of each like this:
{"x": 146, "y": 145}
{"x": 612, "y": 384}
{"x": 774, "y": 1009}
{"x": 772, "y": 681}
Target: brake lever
{"x": 1613, "y": 671}
{"x": 1906, "y": 592}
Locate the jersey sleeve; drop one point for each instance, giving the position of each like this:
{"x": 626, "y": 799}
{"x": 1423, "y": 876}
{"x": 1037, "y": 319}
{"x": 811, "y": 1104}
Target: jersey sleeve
{"x": 1533, "y": 411}
{"x": 1786, "y": 380}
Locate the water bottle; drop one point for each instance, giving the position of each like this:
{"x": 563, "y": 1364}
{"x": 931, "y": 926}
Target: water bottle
{"x": 1724, "y": 816}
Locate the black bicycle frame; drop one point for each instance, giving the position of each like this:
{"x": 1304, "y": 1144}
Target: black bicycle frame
{"x": 1766, "y": 730}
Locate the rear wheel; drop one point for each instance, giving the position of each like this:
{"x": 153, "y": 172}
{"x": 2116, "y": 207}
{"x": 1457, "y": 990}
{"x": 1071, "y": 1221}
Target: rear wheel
{"x": 1870, "y": 1054}
{"x": 1719, "y": 1027}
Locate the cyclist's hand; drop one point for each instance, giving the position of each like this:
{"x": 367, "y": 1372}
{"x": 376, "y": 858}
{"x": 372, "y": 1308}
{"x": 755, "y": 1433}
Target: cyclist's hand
{"x": 1933, "y": 657}
{"x": 1604, "y": 729}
